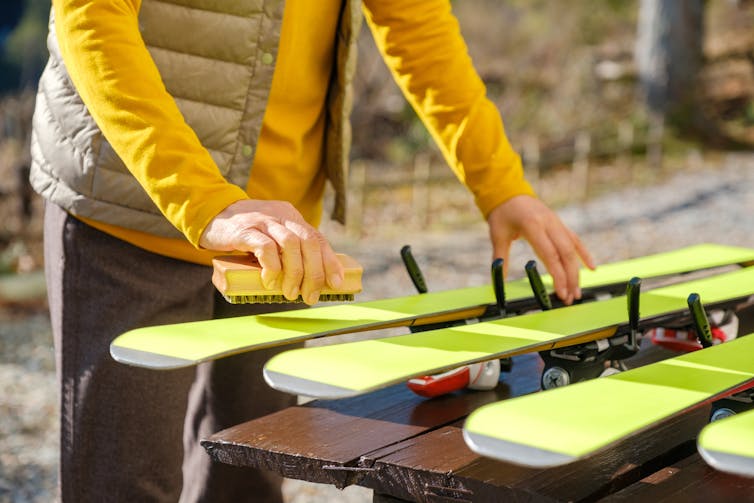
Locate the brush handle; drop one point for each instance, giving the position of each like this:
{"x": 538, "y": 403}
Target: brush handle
{"x": 239, "y": 279}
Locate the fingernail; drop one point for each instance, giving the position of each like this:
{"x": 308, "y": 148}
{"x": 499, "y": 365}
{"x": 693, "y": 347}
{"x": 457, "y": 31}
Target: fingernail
{"x": 578, "y": 293}
{"x": 562, "y": 294}
{"x": 313, "y": 298}
{"x": 268, "y": 281}
{"x": 335, "y": 280}
{"x": 292, "y": 294}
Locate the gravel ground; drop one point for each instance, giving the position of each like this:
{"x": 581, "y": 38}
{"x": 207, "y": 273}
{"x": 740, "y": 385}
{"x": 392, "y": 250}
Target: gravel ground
{"x": 714, "y": 203}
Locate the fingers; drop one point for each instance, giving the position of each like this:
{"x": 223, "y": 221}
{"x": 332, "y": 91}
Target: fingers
{"x": 565, "y": 252}
{"x": 556, "y": 245}
{"x": 293, "y": 255}
{"x": 289, "y": 249}
{"x": 501, "y": 248}
{"x": 312, "y": 277}
{"x": 266, "y": 252}
{"x": 320, "y": 263}
{"x": 334, "y": 272}
{"x": 304, "y": 270}
{"x": 584, "y": 255}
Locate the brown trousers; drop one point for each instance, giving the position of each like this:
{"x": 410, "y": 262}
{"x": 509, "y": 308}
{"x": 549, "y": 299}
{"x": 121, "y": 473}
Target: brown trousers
{"x": 130, "y": 434}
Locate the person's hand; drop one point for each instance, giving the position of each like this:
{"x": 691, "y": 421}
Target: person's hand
{"x": 292, "y": 253}
{"x": 555, "y": 244}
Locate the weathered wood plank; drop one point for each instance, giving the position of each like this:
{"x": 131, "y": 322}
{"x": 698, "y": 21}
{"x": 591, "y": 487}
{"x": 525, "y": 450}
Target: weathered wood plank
{"x": 689, "y": 480}
{"x": 323, "y": 441}
{"x": 438, "y": 463}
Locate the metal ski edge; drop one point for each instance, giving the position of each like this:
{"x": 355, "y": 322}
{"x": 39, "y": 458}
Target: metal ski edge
{"x": 718, "y": 452}
{"x": 291, "y": 384}
{"x": 521, "y": 454}
{"x": 147, "y": 359}
{"x": 728, "y": 463}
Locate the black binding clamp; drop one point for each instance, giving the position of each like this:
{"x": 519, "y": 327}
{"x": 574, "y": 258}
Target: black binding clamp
{"x": 633, "y": 289}
{"x": 414, "y": 272}
{"x": 700, "y": 321}
{"x": 537, "y": 287}
{"x": 585, "y": 361}
{"x": 498, "y": 285}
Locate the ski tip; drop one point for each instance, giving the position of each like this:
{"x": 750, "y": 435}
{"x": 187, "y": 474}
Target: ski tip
{"x": 305, "y": 387}
{"x": 147, "y": 359}
{"x": 513, "y": 452}
{"x": 726, "y": 462}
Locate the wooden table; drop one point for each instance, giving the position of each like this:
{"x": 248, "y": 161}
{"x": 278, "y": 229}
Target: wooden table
{"x": 408, "y": 448}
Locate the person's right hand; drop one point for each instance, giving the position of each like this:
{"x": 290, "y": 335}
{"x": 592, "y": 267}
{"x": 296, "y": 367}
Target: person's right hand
{"x": 556, "y": 245}
{"x": 292, "y": 253}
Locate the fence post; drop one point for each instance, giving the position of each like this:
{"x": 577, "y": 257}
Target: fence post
{"x": 420, "y": 190}
{"x": 580, "y": 169}
{"x": 626, "y": 148}
{"x": 532, "y": 161}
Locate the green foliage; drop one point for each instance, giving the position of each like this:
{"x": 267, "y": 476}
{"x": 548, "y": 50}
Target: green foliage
{"x": 599, "y": 18}
{"x": 25, "y": 51}
{"x": 413, "y": 138}
{"x": 749, "y": 115}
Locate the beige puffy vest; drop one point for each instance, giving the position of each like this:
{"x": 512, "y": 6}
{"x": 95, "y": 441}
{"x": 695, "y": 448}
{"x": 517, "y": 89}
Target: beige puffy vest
{"x": 75, "y": 167}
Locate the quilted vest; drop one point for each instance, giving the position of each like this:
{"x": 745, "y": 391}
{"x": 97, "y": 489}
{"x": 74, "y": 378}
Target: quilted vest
{"x": 75, "y": 167}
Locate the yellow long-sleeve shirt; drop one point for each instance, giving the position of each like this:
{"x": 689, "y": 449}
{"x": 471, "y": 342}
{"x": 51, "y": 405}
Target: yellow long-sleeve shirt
{"x": 422, "y": 45}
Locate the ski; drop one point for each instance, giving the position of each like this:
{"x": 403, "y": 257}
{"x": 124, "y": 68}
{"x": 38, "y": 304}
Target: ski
{"x": 728, "y": 444}
{"x": 563, "y": 425}
{"x": 350, "y": 369}
{"x": 186, "y": 344}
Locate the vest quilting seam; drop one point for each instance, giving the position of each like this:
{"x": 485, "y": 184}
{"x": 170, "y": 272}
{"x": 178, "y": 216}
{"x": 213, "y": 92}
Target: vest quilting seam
{"x": 185, "y": 53}
{"x": 213, "y": 105}
{"x": 191, "y": 7}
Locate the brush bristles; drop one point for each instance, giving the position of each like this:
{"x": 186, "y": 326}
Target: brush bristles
{"x": 280, "y": 299}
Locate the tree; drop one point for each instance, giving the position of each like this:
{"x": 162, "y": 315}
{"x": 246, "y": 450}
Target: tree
{"x": 23, "y": 48}
{"x": 669, "y": 57}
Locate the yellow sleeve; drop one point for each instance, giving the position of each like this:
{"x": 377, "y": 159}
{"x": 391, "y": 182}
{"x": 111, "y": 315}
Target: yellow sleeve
{"x": 422, "y": 45}
{"x": 118, "y": 81}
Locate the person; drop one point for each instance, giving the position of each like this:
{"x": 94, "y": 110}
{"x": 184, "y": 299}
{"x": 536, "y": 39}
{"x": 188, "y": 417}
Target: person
{"x": 167, "y": 132}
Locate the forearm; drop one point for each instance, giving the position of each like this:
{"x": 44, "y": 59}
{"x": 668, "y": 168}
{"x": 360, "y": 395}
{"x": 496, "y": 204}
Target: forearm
{"x": 118, "y": 81}
{"x": 422, "y": 45}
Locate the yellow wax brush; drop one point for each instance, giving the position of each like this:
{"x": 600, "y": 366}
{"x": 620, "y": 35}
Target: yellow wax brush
{"x": 239, "y": 279}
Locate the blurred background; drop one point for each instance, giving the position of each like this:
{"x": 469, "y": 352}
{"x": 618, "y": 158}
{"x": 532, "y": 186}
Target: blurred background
{"x": 609, "y": 102}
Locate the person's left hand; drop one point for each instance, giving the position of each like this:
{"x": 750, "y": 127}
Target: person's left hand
{"x": 556, "y": 245}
